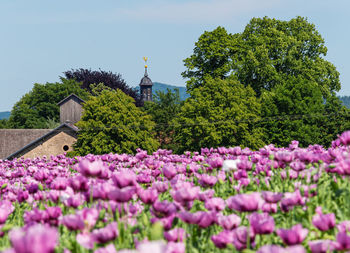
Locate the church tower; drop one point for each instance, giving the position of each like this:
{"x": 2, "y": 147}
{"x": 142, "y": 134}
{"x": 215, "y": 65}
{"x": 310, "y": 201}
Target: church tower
{"x": 146, "y": 85}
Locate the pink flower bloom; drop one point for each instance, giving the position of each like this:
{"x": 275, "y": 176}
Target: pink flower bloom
{"x": 222, "y": 239}
{"x": 262, "y": 223}
{"x": 6, "y": 208}
{"x": 35, "y": 239}
{"x": 190, "y": 218}
{"x": 90, "y": 169}
{"x": 186, "y": 194}
{"x": 124, "y": 178}
{"x": 203, "y": 196}
{"x": 345, "y": 138}
{"x": 175, "y": 235}
{"x": 206, "y": 219}
{"x": 86, "y": 240}
{"x": 122, "y": 195}
{"x": 343, "y": 241}
{"x": 73, "y": 222}
{"x": 208, "y": 180}
{"x": 215, "y": 204}
{"x": 344, "y": 226}
{"x": 322, "y": 221}
{"x": 244, "y": 202}
{"x": 322, "y": 246}
{"x": 269, "y": 208}
{"x": 272, "y": 197}
{"x": 163, "y": 208}
{"x": 175, "y": 247}
{"x": 148, "y": 196}
{"x": 169, "y": 171}
{"x": 295, "y": 235}
{"x": 279, "y": 249}
{"x": 106, "y": 234}
{"x": 109, "y": 249}
{"x": 229, "y": 222}
{"x": 240, "y": 236}
{"x": 151, "y": 247}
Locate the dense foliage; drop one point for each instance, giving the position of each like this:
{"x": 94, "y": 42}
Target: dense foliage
{"x": 112, "y": 123}
{"x": 266, "y": 54}
{"x": 164, "y": 109}
{"x": 218, "y": 113}
{"x": 279, "y": 200}
{"x": 108, "y": 78}
{"x": 39, "y": 106}
{"x": 345, "y": 100}
{"x": 283, "y": 62}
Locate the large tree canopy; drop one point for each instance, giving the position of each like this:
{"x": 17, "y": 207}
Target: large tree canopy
{"x": 39, "y": 107}
{"x": 264, "y": 55}
{"x": 108, "y": 78}
{"x": 112, "y": 123}
{"x": 219, "y": 113}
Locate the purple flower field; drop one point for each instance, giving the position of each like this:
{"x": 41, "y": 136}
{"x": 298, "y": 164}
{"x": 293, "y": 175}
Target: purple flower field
{"x": 217, "y": 200}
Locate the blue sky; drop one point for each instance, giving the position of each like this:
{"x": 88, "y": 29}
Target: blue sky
{"x": 40, "y": 39}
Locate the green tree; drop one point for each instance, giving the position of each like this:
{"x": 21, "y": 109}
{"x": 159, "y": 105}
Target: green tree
{"x": 264, "y": 55}
{"x": 111, "y": 122}
{"x": 39, "y": 106}
{"x": 292, "y": 112}
{"x": 163, "y": 109}
{"x": 218, "y": 113}
{"x": 3, "y": 123}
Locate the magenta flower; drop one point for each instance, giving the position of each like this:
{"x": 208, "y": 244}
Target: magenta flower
{"x": 261, "y": 223}
{"x": 279, "y": 249}
{"x": 229, "y": 222}
{"x": 106, "y": 234}
{"x": 208, "y": 180}
{"x": 244, "y": 202}
{"x": 269, "y": 207}
{"x": 203, "y": 196}
{"x": 345, "y": 138}
{"x": 175, "y": 235}
{"x": 190, "y": 218}
{"x": 343, "y": 241}
{"x": 272, "y": 197}
{"x": 148, "y": 196}
{"x": 215, "y": 204}
{"x": 90, "y": 169}
{"x": 79, "y": 183}
{"x": 73, "y": 222}
{"x": 295, "y": 235}
{"x": 206, "y": 219}
{"x": 240, "y": 236}
{"x": 169, "y": 171}
{"x": 111, "y": 249}
{"x": 322, "y": 221}
{"x": 124, "y": 178}
{"x": 122, "y": 195}
{"x": 6, "y": 208}
{"x": 322, "y": 246}
{"x": 163, "y": 209}
{"x": 186, "y": 194}
{"x": 35, "y": 239}
{"x": 222, "y": 239}
{"x": 175, "y": 247}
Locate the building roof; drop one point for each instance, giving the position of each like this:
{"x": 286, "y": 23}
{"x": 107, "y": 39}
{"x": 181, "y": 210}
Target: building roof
{"x": 69, "y": 129}
{"x": 146, "y": 81}
{"x": 71, "y": 96}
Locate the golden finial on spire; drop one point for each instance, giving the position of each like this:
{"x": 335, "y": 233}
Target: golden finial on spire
{"x": 145, "y": 59}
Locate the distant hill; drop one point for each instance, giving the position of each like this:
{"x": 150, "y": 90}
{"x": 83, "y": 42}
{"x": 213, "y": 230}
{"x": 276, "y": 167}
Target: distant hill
{"x": 4, "y": 115}
{"x": 163, "y": 87}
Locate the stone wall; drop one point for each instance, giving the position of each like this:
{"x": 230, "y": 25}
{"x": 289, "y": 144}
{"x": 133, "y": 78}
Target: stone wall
{"x": 12, "y": 140}
{"x": 56, "y": 145}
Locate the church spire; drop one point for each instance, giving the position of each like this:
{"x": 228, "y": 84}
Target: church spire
{"x": 146, "y": 84}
